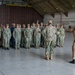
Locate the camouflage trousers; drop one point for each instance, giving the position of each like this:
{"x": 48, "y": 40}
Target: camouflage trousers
{"x": 22, "y": 41}
{"x": 37, "y": 39}
{"x": 17, "y": 43}
{"x": 6, "y": 42}
{"x": 28, "y": 42}
{"x": 61, "y": 41}
{"x": 49, "y": 47}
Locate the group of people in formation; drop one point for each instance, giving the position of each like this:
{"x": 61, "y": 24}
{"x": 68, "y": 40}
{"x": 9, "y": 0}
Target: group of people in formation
{"x": 36, "y": 35}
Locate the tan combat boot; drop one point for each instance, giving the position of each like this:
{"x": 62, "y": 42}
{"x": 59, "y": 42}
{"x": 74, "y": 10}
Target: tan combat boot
{"x": 51, "y": 56}
{"x": 47, "y": 57}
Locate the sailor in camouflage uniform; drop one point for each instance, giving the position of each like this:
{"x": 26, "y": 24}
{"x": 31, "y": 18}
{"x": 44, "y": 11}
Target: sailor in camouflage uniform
{"x": 42, "y": 38}
{"x": 17, "y": 36}
{"x": 61, "y": 36}
{"x": 57, "y": 35}
{"x": 22, "y": 35}
{"x": 37, "y": 35}
{"x": 28, "y": 36}
{"x": 44, "y": 34}
{"x": 7, "y": 36}
{"x": 50, "y": 41}
{"x": 33, "y": 27}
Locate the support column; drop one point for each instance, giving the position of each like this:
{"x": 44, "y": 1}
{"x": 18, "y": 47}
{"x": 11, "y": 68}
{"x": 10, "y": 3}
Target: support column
{"x": 60, "y": 18}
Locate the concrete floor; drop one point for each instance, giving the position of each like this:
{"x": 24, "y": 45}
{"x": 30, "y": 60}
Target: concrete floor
{"x": 32, "y": 62}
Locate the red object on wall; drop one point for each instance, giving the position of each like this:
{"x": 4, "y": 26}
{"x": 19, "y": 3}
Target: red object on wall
{"x": 10, "y": 14}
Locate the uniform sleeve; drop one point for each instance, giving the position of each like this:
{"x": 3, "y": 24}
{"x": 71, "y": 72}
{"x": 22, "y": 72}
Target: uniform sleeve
{"x": 14, "y": 33}
{"x": 35, "y": 33}
{"x": 31, "y": 32}
{"x": 43, "y": 32}
{"x": 40, "y": 31}
{"x": 46, "y": 33}
{"x": 4, "y": 34}
{"x": 24, "y": 33}
{"x": 10, "y": 33}
{"x": 64, "y": 32}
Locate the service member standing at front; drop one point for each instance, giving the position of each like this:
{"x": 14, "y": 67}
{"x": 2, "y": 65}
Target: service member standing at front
{"x": 50, "y": 41}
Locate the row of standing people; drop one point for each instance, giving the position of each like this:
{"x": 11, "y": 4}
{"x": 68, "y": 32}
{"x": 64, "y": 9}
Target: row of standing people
{"x": 16, "y": 36}
{"x": 36, "y": 35}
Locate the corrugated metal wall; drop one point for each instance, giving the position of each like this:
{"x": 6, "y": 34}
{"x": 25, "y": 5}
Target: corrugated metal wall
{"x": 18, "y": 15}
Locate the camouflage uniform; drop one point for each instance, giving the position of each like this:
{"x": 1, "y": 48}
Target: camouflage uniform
{"x": 3, "y": 27}
{"x": 50, "y": 41}
{"x": 61, "y": 36}
{"x": 28, "y": 37}
{"x": 37, "y": 36}
{"x": 57, "y": 37}
{"x": 23, "y": 37}
{"x": 44, "y": 35}
{"x": 42, "y": 38}
{"x": 17, "y": 36}
{"x": 33, "y": 40}
{"x": 6, "y": 36}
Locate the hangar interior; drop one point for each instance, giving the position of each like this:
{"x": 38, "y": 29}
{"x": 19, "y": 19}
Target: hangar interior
{"x": 31, "y": 61}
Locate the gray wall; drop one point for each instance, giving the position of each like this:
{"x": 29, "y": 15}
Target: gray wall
{"x": 67, "y": 21}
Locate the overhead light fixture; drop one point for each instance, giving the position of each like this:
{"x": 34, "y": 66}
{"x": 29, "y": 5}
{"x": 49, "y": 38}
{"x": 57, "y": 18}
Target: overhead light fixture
{"x": 56, "y": 8}
{"x": 73, "y": 6}
{"x": 44, "y": 10}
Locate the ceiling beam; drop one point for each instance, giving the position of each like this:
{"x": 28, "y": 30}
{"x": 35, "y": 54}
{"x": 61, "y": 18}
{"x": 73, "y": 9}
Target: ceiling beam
{"x": 66, "y": 14}
{"x": 56, "y": 9}
{"x": 50, "y": 7}
{"x": 38, "y": 12}
{"x": 35, "y": 3}
{"x": 65, "y": 4}
{"x": 61, "y": 5}
{"x": 69, "y": 2}
{"x": 53, "y": 15}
